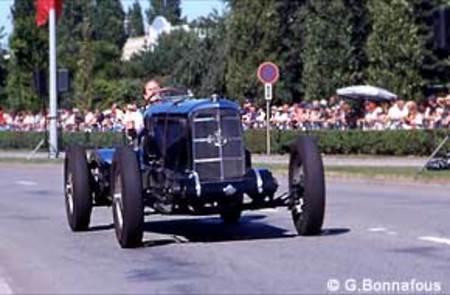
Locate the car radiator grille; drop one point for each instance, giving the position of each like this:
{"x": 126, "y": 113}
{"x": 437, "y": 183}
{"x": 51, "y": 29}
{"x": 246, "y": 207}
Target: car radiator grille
{"x": 218, "y": 150}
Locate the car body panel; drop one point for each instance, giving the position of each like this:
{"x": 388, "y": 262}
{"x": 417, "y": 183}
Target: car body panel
{"x": 188, "y": 106}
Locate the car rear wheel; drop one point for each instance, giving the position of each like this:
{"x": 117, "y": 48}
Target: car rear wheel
{"x": 77, "y": 190}
{"x": 127, "y": 206}
{"x": 306, "y": 186}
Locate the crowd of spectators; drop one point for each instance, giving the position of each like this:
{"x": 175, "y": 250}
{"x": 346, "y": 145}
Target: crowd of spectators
{"x": 341, "y": 114}
{"x": 334, "y": 113}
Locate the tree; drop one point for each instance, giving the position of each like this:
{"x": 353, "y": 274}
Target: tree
{"x": 3, "y": 70}
{"x": 84, "y": 75}
{"x": 258, "y": 31}
{"x": 327, "y": 48}
{"x": 70, "y": 35}
{"x": 170, "y": 9}
{"x": 360, "y": 28}
{"x": 136, "y": 23}
{"x": 251, "y": 37}
{"x": 29, "y": 52}
{"x": 212, "y": 51}
{"x": 289, "y": 40}
{"x": 91, "y": 35}
{"x": 435, "y": 68}
{"x": 394, "y": 48}
{"x": 108, "y": 22}
{"x": 162, "y": 60}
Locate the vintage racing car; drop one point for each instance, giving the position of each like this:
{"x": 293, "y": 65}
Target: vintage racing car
{"x": 191, "y": 160}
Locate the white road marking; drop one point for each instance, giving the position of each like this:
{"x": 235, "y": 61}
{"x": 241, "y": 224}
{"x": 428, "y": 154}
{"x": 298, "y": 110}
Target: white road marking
{"x": 26, "y": 183}
{"x": 436, "y": 240}
{"x": 4, "y": 287}
{"x": 377, "y": 229}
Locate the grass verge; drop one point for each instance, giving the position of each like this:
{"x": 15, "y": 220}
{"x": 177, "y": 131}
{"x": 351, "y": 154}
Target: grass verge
{"x": 13, "y": 160}
{"x": 408, "y": 174}
{"x": 373, "y": 173}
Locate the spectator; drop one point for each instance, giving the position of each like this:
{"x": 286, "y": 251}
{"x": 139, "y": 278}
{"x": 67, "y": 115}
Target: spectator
{"x": 414, "y": 119}
{"x": 373, "y": 118}
{"x": 133, "y": 120}
{"x": 2, "y": 119}
{"x": 318, "y": 114}
{"x": 397, "y": 114}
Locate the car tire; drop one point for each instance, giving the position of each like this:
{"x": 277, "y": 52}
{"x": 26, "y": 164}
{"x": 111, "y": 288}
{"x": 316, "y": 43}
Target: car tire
{"x": 248, "y": 159}
{"x": 77, "y": 189}
{"x": 127, "y": 205}
{"x": 231, "y": 211}
{"x": 306, "y": 186}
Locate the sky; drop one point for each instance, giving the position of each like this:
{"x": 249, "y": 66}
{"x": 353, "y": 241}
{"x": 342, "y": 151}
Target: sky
{"x": 190, "y": 8}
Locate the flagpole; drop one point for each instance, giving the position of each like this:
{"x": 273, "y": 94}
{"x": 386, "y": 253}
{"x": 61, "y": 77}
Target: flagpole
{"x": 53, "y": 132}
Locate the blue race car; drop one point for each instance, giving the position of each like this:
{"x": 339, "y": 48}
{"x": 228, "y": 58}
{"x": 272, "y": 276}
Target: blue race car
{"x": 191, "y": 160}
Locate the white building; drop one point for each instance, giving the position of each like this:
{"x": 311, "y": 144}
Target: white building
{"x": 152, "y": 32}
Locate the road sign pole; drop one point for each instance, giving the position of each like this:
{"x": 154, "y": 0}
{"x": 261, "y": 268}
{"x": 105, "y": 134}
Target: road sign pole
{"x": 268, "y": 127}
{"x": 268, "y": 97}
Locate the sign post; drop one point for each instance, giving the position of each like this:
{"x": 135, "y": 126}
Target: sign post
{"x": 268, "y": 73}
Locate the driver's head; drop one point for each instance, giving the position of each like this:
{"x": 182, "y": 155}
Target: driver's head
{"x": 151, "y": 90}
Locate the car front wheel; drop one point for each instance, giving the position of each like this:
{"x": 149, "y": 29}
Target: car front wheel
{"x": 127, "y": 206}
{"x": 77, "y": 190}
{"x": 306, "y": 186}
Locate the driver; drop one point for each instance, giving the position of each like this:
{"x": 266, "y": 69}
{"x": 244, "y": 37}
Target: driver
{"x": 151, "y": 92}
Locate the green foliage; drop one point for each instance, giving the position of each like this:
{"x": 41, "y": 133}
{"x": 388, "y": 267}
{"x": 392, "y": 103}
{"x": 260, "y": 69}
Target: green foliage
{"x": 435, "y": 67}
{"x": 328, "y": 48}
{"x": 194, "y": 59}
{"x": 91, "y": 35}
{"x": 108, "y": 92}
{"x": 212, "y": 51}
{"x": 69, "y": 32}
{"x": 108, "y": 22}
{"x": 10, "y": 140}
{"x": 29, "y": 52}
{"x": 290, "y": 38}
{"x": 258, "y": 31}
{"x": 83, "y": 88}
{"x": 251, "y": 40}
{"x": 395, "y": 48}
{"x": 170, "y": 9}
{"x": 388, "y": 143}
{"x": 136, "y": 22}
{"x": 161, "y": 62}
{"x": 360, "y": 28}
{"x": 3, "y": 69}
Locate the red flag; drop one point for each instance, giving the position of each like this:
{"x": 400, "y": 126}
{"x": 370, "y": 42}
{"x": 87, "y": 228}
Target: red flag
{"x": 43, "y": 8}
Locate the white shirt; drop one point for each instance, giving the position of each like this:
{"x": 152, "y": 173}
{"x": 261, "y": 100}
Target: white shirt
{"x": 136, "y": 119}
{"x": 396, "y": 114}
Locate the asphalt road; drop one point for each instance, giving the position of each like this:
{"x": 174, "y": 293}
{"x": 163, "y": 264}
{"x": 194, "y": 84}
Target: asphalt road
{"x": 381, "y": 232}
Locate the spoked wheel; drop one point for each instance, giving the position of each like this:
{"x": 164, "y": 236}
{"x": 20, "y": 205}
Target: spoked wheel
{"x": 231, "y": 211}
{"x": 127, "y": 206}
{"x": 306, "y": 186}
{"x": 77, "y": 190}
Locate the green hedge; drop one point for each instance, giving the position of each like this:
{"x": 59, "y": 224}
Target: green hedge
{"x": 399, "y": 143}
{"x": 392, "y": 142}
{"x": 11, "y": 140}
